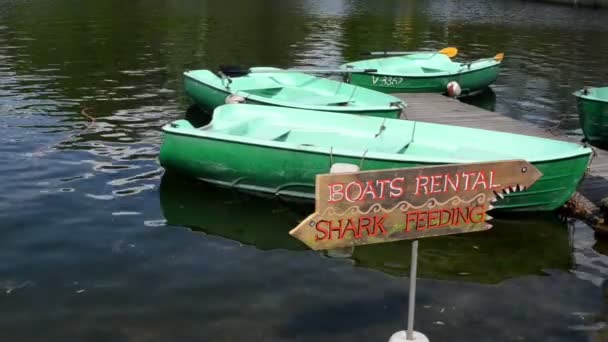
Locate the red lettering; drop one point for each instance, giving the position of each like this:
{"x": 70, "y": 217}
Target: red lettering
{"x": 466, "y": 181}
{"x": 433, "y": 219}
{"x": 419, "y": 184}
{"x": 347, "y": 191}
{"x": 332, "y": 229}
{"x": 379, "y": 225}
{"x": 395, "y": 187}
{"x": 441, "y": 218}
{"x": 334, "y": 190}
{"x": 408, "y": 219}
{"x": 422, "y": 217}
{"x": 369, "y": 189}
{"x": 367, "y": 225}
{"x": 492, "y": 185}
{"x": 382, "y": 183}
{"x": 450, "y": 181}
{"x": 458, "y": 215}
{"x": 481, "y": 179}
{"x": 436, "y": 178}
{"x": 481, "y": 214}
{"x": 448, "y": 218}
{"x": 321, "y": 230}
{"x": 350, "y": 225}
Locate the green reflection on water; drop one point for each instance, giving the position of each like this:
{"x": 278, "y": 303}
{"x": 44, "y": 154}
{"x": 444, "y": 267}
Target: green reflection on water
{"x": 512, "y": 248}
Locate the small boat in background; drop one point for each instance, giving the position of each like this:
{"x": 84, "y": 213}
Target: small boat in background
{"x": 592, "y": 106}
{"x": 425, "y": 73}
{"x": 280, "y": 151}
{"x": 285, "y": 88}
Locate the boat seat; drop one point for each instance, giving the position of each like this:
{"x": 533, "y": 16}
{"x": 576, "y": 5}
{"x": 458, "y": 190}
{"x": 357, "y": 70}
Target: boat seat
{"x": 325, "y": 138}
{"x": 394, "y": 147}
{"x": 310, "y": 97}
{"x": 320, "y": 100}
{"x": 260, "y": 91}
{"x": 276, "y": 135}
{"x": 234, "y": 127}
{"x": 391, "y": 140}
{"x": 431, "y": 70}
{"x": 267, "y": 132}
{"x": 410, "y": 69}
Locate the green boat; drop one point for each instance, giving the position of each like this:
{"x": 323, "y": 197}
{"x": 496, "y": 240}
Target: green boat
{"x": 280, "y": 151}
{"x": 593, "y": 114}
{"x": 425, "y": 73}
{"x": 279, "y": 87}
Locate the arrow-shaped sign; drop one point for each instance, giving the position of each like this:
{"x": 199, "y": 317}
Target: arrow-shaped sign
{"x": 366, "y": 207}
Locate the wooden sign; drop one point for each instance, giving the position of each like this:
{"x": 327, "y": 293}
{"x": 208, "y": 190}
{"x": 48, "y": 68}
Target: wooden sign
{"x": 367, "y": 207}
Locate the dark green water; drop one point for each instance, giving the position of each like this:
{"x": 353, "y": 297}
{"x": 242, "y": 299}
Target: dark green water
{"x": 96, "y": 244}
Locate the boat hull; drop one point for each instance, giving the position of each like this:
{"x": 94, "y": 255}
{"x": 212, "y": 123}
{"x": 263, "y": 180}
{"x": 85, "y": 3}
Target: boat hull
{"x": 285, "y": 172}
{"x": 593, "y": 117}
{"x": 471, "y": 82}
{"x": 209, "y": 98}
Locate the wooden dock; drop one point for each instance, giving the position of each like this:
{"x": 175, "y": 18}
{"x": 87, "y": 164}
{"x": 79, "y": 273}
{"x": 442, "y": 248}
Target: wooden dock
{"x": 440, "y": 109}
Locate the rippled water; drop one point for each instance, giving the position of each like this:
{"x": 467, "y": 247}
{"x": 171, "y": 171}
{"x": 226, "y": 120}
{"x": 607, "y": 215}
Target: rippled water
{"x": 98, "y": 244}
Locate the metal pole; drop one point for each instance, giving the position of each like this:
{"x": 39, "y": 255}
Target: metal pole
{"x": 412, "y": 294}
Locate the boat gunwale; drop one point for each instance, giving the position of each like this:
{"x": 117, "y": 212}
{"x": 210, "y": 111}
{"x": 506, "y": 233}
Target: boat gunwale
{"x": 587, "y": 97}
{"x": 287, "y": 104}
{"x": 201, "y": 134}
{"x": 436, "y": 75}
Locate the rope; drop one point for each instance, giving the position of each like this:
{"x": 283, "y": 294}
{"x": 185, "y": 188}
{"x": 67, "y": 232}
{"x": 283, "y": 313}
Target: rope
{"x": 224, "y": 77}
{"x": 352, "y": 94}
{"x": 362, "y": 159}
{"x": 593, "y": 155}
{"x": 84, "y": 113}
{"x": 413, "y": 132}
{"x": 381, "y": 129}
{"x": 553, "y": 128}
{"x": 400, "y": 106}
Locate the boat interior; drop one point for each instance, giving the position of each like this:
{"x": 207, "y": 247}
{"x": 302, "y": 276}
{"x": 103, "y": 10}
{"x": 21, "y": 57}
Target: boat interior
{"x": 419, "y": 64}
{"x": 597, "y": 93}
{"x": 300, "y": 95}
{"x": 386, "y": 139}
{"x": 363, "y": 135}
{"x": 296, "y": 87}
{"x": 303, "y": 89}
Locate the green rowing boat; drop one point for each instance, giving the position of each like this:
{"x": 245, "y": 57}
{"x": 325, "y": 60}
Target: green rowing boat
{"x": 425, "y": 73}
{"x": 593, "y": 114}
{"x": 277, "y": 87}
{"x": 280, "y": 151}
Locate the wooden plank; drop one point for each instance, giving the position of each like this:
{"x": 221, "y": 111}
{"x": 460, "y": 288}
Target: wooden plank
{"x": 436, "y": 108}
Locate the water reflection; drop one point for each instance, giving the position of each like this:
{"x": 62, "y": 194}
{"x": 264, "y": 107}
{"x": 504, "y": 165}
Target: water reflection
{"x": 485, "y": 100}
{"x": 511, "y": 249}
{"x": 601, "y": 246}
{"x": 80, "y": 200}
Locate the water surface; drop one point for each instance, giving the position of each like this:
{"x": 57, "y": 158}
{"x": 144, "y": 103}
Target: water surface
{"x": 99, "y": 244}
